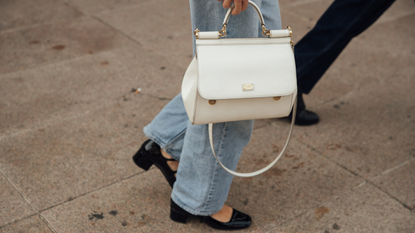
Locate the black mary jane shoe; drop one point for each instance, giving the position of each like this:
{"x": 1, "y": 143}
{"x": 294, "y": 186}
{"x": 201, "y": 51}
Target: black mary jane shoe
{"x": 238, "y": 220}
{"x": 303, "y": 116}
{"x": 306, "y": 117}
{"x": 150, "y": 154}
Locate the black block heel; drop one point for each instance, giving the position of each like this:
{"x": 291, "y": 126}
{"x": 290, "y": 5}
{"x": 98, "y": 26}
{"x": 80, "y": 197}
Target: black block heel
{"x": 149, "y": 154}
{"x": 177, "y": 214}
{"x": 142, "y": 161}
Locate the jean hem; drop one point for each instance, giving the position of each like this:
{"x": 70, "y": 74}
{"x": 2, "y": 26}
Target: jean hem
{"x": 162, "y": 145}
{"x": 171, "y": 152}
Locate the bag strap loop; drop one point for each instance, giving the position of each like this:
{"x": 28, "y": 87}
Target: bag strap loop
{"x": 265, "y": 31}
{"x": 251, "y": 174}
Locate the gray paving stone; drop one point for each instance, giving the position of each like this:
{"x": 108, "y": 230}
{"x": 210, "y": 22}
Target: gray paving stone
{"x": 177, "y": 49}
{"x": 307, "y": 10}
{"x": 363, "y": 63}
{"x": 400, "y": 8}
{"x": 150, "y": 21}
{"x": 33, "y": 225}
{"x": 54, "y": 164}
{"x": 366, "y": 209}
{"x": 399, "y": 183}
{"x": 44, "y": 44}
{"x": 394, "y": 37}
{"x": 12, "y": 205}
{"x": 366, "y": 132}
{"x": 155, "y": 74}
{"x": 139, "y": 204}
{"x": 96, "y": 6}
{"x": 358, "y": 66}
{"x": 300, "y": 180}
{"x": 24, "y": 13}
{"x": 35, "y": 97}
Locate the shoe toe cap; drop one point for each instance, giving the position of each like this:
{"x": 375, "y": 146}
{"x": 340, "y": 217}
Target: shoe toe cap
{"x": 306, "y": 117}
{"x": 238, "y": 221}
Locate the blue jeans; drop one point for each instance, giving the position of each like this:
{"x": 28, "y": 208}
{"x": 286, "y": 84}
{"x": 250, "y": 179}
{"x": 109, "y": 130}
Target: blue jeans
{"x": 202, "y": 186}
{"x": 342, "y": 21}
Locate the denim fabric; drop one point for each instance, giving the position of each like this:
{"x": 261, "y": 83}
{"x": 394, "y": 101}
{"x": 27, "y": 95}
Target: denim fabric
{"x": 342, "y": 21}
{"x": 202, "y": 186}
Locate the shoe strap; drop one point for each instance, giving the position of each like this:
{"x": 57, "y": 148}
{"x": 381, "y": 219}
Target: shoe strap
{"x": 173, "y": 160}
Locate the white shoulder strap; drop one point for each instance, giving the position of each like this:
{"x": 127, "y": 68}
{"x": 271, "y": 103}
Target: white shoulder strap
{"x": 251, "y": 174}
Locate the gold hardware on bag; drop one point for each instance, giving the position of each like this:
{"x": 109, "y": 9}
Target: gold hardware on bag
{"x": 277, "y": 98}
{"x": 222, "y": 33}
{"x": 265, "y": 31}
{"x": 248, "y": 87}
{"x": 212, "y": 102}
{"x": 196, "y": 32}
{"x": 291, "y": 31}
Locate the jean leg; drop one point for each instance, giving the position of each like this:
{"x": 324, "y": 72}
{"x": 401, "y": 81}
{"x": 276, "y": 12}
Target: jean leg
{"x": 272, "y": 17}
{"x": 202, "y": 185}
{"x": 342, "y": 21}
{"x": 169, "y": 127}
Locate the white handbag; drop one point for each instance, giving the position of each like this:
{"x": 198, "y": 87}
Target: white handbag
{"x": 236, "y": 79}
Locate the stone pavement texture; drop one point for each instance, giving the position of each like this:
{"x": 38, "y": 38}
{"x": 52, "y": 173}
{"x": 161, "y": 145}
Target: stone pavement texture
{"x": 69, "y": 123}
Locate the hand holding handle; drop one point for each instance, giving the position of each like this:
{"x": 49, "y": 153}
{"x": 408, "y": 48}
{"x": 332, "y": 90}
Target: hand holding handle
{"x": 240, "y": 5}
{"x": 265, "y": 31}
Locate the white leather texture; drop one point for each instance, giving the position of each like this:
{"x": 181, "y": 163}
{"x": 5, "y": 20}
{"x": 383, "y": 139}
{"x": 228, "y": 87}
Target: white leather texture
{"x": 200, "y": 111}
{"x": 279, "y": 33}
{"x": 189, "y": 90}
{"x": 224, "y": 65}
{"x": 208, "y": 35}
{"x": 243, "y": 41}
{"x": 192, "y": 100}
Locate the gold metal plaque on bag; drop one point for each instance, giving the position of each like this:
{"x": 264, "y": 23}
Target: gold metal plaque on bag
{"x": 248, "y": 87}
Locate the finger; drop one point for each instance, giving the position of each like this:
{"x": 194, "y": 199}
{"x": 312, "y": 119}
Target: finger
{"x": 226, "y": 3}
{"x": 244, "y": 5}
{"x": 238, "y": 7}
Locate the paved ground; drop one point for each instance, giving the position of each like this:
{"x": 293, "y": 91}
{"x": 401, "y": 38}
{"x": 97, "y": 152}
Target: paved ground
{"x": 69, "y": 123}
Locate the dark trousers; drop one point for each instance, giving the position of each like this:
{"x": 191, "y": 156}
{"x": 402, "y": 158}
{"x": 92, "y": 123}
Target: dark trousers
{"x": 342, "y": 21}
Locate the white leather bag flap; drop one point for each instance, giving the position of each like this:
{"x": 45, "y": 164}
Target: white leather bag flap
{"x": 245, "y": 68}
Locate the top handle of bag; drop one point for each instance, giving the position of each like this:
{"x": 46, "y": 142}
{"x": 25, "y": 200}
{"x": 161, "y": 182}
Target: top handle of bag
{"x": 265, "y": 31}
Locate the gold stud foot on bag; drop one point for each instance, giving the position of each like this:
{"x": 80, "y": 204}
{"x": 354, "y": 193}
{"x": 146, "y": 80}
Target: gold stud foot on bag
{"x": 212, "y": 102}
